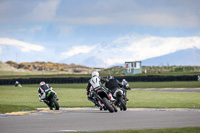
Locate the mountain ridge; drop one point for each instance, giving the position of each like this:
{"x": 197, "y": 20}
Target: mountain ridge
{"x": 186, "y": 57}
{"x": 133, "y": 47}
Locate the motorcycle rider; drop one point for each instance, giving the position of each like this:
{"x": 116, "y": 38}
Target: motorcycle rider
{"x": 95, "y": 82}
{"x": 17, "y": 84}
{"x": 113, "y": 84}
{"x": 42, "y": 93}
{"x": 125, "y": 84}
{"x": 125, "y": 87}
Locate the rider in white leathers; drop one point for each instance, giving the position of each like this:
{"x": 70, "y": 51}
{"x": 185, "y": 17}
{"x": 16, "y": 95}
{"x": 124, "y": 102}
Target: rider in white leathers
{"x": 94, "y": 82}
{"x": 42, "y": 92}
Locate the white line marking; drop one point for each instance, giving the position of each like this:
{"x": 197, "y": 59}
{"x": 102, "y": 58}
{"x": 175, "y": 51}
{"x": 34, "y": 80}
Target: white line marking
{"x": 73, "y": 130}
{"x": 68, "y": 130}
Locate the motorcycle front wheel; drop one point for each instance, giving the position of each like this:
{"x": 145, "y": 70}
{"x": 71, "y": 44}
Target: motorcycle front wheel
{"x": 115, "y": 108}
{"x": 107, "y": 104}
{"x": 123, "y": 105}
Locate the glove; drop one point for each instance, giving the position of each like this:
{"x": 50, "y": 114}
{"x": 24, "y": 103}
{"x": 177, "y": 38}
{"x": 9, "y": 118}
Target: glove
{"x": 87, "y": 93}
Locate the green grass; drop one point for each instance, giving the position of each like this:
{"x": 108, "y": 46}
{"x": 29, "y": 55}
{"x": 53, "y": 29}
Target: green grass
{"x": 166, "y": 130}
{"x": 176, "y": 84}
{"x": 74, "y": 95}
{"x": 158, "y": 99}
{"x": 170, "y": 73}
{"x": 14, "y": 108}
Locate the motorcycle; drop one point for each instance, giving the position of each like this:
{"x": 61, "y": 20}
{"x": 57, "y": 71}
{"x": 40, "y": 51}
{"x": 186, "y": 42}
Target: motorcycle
{"x": 52, "y": 99}
{"x": 120, "y": 95}
{"x": 104, "y": 99}
{"x": 120, "y": 99}
{"x": 112, "y": 101}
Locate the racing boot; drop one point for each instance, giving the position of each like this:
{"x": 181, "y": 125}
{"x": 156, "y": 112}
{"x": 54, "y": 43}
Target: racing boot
{"x": 126, "y": 99}
{"x": 100, "y": 107}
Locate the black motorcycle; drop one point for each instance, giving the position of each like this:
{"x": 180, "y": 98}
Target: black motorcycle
{"x": 119, "y": 95}
{"x": 104, "y": 99}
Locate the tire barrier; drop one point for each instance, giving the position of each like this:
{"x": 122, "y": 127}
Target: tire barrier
{"x": 86, "y": 79}
{"x": 155, "y": 78}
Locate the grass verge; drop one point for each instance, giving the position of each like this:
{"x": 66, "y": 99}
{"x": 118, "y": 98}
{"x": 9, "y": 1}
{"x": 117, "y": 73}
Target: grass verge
{"x": 175, "y": 84}
{"x": 14, "y": 108}
{"x": 166, "y": 130}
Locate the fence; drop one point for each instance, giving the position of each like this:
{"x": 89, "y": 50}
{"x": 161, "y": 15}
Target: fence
{"x": 85, "y": 79}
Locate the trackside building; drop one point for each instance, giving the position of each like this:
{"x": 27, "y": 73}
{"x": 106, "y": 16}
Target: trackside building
{"x": 133, "y": 67}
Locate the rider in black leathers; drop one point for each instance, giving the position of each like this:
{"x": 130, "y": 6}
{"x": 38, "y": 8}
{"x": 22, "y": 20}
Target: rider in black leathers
{"x": 113, "y": 84}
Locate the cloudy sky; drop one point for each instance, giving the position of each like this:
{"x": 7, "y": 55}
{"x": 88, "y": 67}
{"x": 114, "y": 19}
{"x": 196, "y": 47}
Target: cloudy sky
{"x": 69, "y": 30}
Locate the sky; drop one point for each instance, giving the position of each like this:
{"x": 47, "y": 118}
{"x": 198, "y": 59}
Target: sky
{"x": 93, "y": 32}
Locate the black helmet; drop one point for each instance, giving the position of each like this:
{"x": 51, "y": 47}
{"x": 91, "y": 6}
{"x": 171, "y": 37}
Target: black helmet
{"x": 110, "y": 77}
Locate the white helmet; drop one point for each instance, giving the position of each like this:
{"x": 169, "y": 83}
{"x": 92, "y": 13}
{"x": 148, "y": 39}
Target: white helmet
{"x": 95, "y": 73}
{"x": 124, "y": 82}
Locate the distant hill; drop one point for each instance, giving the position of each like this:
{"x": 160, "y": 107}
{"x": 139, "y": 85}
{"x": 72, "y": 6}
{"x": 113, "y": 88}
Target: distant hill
{"x": 7, "y": 67}
{"x": 187, "y": 57}
{"x": 47, "y": 66}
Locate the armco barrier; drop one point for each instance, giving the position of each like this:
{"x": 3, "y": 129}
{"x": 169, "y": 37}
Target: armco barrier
{"x": 152, "y": 78}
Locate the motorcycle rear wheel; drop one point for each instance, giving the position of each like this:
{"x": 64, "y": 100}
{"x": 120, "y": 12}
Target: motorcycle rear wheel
{"x": 108, "y": 106}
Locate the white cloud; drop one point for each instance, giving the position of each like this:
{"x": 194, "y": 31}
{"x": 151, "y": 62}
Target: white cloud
{"x": 77, "y": 50}
{"x": 23, "y": 46}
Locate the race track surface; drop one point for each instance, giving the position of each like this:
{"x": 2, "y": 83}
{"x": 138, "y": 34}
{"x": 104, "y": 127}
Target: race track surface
{"x": 91, "y": 119}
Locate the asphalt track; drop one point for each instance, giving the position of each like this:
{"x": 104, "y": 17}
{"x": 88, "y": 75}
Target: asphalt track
{"x": 91, "y": 119}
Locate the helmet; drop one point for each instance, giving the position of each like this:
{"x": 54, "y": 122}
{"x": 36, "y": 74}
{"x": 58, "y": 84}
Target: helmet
{"x": 124, "y": 82}
{"x": 95, "y": 73}
{"x": 110, "y": 77}
{"x": 42, "y": 83}
{"x": 16, "y": 82}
